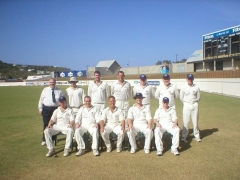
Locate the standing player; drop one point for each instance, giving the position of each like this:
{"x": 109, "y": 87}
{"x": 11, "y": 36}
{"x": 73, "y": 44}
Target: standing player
{"x": 146, "y": 90}
{"x": 112, "y": 118}
{"x": 98, "y": 91}
{"x": 121, "y": 90}
{"x": 48, "y": 102}
{"x": 166, "y": 89}
{"x": 190, "y": 95}
{"x": 166, "y": 120}
{"x": 75, "y": 96}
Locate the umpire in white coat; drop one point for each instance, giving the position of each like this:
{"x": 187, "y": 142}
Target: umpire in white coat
{"x": 48, "y": 102}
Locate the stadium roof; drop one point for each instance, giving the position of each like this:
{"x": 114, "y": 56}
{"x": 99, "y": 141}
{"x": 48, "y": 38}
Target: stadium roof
{"x": 197, "y": 56}
{"x": 106, "y": 64}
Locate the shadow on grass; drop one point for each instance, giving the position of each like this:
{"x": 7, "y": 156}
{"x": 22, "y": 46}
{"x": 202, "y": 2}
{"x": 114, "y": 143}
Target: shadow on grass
{"x": 167, "y": 143}
{"x": 203, "y": 133}
{"x": 207, "y": 132}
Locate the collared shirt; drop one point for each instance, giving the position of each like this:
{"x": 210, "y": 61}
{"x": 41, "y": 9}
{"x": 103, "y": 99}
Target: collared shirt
{"x": 98, "y": 92}
{"x": 190, "y": 94}
{"x": 87, "y": 116}
{"x": 75, "y": 96}
{"x": 147, "y": 92}
{"x": 112, "y": 118}
{"x": 170, "y": 91}
{"x": 168, "y": 116}
{"x": 142, "y": 115}
{"x": 62, "y": 118}
{"x": 46, "y": 97}
{"x": 121, "y": 91}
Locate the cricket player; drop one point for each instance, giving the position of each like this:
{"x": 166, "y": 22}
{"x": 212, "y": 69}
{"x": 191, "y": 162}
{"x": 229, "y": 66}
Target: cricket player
{"x": 166, "y": 121}
{"x": 139, "y": 120}
{"x": 98, "y": 91}
{"x": 86, "y": 121}
{"x": 48, "y": 102}
{"x": 112, "y": 118}
{"x": 121, "y": 90}
{"x": 147, "y": 90}
{"x": 167, "y": 89}
{"x": 62, "y": 120}
{"x": 75, "y": 96}
{"x": 190, "y": 96}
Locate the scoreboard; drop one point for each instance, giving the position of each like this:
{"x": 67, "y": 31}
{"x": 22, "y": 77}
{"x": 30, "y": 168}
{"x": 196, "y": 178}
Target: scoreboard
{"x": 222, "y": 44}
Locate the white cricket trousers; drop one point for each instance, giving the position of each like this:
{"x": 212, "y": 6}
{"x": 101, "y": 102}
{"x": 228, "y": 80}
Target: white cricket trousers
{"x": 143, "y": 128}
{"x": 190, "y": 111}
{"x": 117, "y": 130}
{"x": 166, "y": 127}
{"x": 49, "y": 132}
{"x": 123, "y": 105}
{"x": 93, "y": 131}
{"x": 99, "y": 106}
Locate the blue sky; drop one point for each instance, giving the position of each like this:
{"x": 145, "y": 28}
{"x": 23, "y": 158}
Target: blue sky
{"x": 79, "y": 33}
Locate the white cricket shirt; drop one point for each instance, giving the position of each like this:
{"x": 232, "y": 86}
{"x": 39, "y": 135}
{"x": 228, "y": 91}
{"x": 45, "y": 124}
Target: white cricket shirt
{"x": 147, "y": 91}
{"x": 75, "y": 96}
{"x": 163, "y": 116}
{"x": 171, "y": 92}
{"x": 121, "y": 91}
{"x": 98, "y": 93}
{"x": 142, "y": 115}
{"x": 87, "y": 116}
{"x": 112, "y": 118}
{"x": 62, "y": 119}
{"x": 190, "y": 94}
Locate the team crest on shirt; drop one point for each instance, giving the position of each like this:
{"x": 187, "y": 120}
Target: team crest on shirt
{"x": 67, "y": 116}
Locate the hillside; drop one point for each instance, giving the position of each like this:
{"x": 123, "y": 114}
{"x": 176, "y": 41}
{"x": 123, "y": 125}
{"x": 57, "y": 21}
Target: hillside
{"x": 18, "y": 71}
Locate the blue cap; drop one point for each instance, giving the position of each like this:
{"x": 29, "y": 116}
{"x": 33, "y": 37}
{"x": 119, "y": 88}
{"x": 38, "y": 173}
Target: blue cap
{"x": 190, "y": 76}
{"x": 143, "y": 77}
{"x": 138, "y": 95}
{"x": 166, "y": 76}
{"x": 62, "y": 99}
{"x": 165, "y": 99}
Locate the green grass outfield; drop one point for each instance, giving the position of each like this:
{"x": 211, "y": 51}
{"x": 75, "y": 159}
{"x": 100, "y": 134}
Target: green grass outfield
{"x": 22, "y": 156}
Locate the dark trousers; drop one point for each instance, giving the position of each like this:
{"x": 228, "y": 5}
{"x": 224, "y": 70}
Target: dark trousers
{"x": 47, "y": 114}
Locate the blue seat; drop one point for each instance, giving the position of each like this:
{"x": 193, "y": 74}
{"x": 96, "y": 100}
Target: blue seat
{"x": 140, "y": 136}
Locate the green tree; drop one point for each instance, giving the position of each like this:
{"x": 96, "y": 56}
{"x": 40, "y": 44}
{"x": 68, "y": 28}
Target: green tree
{"x": 158, "y": 62}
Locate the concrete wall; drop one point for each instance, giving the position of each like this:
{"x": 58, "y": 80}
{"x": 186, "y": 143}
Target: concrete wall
{"x": 227, "y": 65}
{"x": 141, "y": 70}
{"x": 182, "y": 67}
{"x": 90, "y": 72}
{"x": 226, "y": 86}
{"x": 199, "y": 67}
